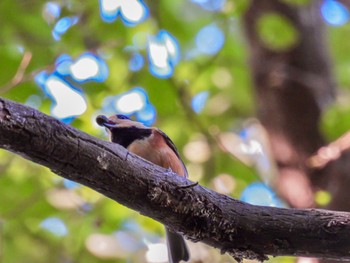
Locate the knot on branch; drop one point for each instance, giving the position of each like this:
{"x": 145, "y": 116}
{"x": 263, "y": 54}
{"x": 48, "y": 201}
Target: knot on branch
{"x": 239, "y": 255}
{"x": 4, "y": 113}
{"x": 197, "y": 212}
{"x": 335, "y": 226}
{"x": 103, "y": 161}
{"x": 158, "y": 195}
{"x": 201, "y": 218}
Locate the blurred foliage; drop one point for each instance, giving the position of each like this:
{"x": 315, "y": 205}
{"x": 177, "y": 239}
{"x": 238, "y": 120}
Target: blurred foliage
{"x": 26, "y": 188}
{"x": 277, "y": 32}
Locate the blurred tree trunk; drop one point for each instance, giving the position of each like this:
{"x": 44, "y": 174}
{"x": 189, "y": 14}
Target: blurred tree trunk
{"x": 293, "y": 86}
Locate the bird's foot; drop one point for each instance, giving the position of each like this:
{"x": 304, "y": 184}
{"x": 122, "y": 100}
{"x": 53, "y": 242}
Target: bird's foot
{"x": 188, "y": 186}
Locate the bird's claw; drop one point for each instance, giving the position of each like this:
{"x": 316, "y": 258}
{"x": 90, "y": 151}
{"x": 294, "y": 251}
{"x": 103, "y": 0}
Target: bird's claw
{"x": 126, "y": 156}
{"x": 169, "y": 171}
{"x": 188, "y": 186}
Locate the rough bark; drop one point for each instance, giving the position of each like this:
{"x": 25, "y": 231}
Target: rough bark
{"x": 243, "y": 230}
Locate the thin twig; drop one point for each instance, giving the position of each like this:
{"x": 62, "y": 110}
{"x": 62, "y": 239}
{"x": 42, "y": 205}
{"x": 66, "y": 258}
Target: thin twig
{"x": 19, "y": 76}
{"x": 330, "y": 152}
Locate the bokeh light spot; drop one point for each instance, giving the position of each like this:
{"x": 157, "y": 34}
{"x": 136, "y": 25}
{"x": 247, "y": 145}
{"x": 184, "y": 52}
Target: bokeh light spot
{"x": 157, "y": 253}
{"x": 197, "y": 151}
{"x": 70, "y": 184}
{"x": 55, "y": 226}
{"x": 199, "y": 101}
{"x": 59, "y": 85}
{"x": 69, "y": 101}
{"x": 163, "y": 54}
{"x": 64, "y": 199}
{"x": 134, "y": 103}
{"x": 62, "y": 26}
{"x": 222, "y": 78}
{"x": 89, "y": 67}
{"x": 136, "y": 62}
{"x": 159, "y": 55}
{"x": 131, "y": 102}
{"x": 51, "y": 11}
{"x": 210, "y": 39}
{"x": 128, "y": 242}
{"x": 334, "y": 13}
{"x": 218, "y": 104}
{"x": 277, "y": 32}
{"x": 132, "y": 12}
{"x": 224, "y": 184}
{"x": 260, "y": 194}
{"x": 84, "y": 68}
{"x": 323, "y": 198}
{"x": 62, "y": 64}
{"x": 105, "y": 246}
{"x": 147, "y": 115}
{"x": 195, "y": 171}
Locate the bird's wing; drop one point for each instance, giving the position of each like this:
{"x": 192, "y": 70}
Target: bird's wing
{"x": 170, "y": 143}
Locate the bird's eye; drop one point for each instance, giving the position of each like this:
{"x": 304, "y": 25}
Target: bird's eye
{"x": 122, "y": 117}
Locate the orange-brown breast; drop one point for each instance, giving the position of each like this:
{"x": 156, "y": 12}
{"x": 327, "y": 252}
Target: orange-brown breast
{"x": 161, "y": 154}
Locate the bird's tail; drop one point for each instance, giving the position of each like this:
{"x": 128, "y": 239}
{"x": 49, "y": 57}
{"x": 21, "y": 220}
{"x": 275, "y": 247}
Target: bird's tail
{"x": 177, "y": 248}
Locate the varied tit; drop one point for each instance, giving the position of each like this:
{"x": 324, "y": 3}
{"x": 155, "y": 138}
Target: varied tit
{"x": 155, "y": 146}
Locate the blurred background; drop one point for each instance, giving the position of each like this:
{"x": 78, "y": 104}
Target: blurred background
{"x": 184, "y": 66}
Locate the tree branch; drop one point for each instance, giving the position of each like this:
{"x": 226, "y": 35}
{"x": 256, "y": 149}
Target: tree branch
{"x": 243, "y": 230}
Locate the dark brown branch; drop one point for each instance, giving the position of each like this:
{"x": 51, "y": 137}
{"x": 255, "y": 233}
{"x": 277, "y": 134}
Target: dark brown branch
{"x": 243, "y": 230}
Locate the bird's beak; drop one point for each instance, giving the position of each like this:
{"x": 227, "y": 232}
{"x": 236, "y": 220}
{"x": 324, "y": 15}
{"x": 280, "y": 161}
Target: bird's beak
{"x": 105, "y": 122}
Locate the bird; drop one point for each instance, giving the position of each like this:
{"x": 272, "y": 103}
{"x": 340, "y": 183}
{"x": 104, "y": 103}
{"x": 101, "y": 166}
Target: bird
{"x": 155, "y": 146}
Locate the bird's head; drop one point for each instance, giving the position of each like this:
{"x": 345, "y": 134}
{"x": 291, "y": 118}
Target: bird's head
{"x": 122, "y": 130}
{"x": 117, "y": 121}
